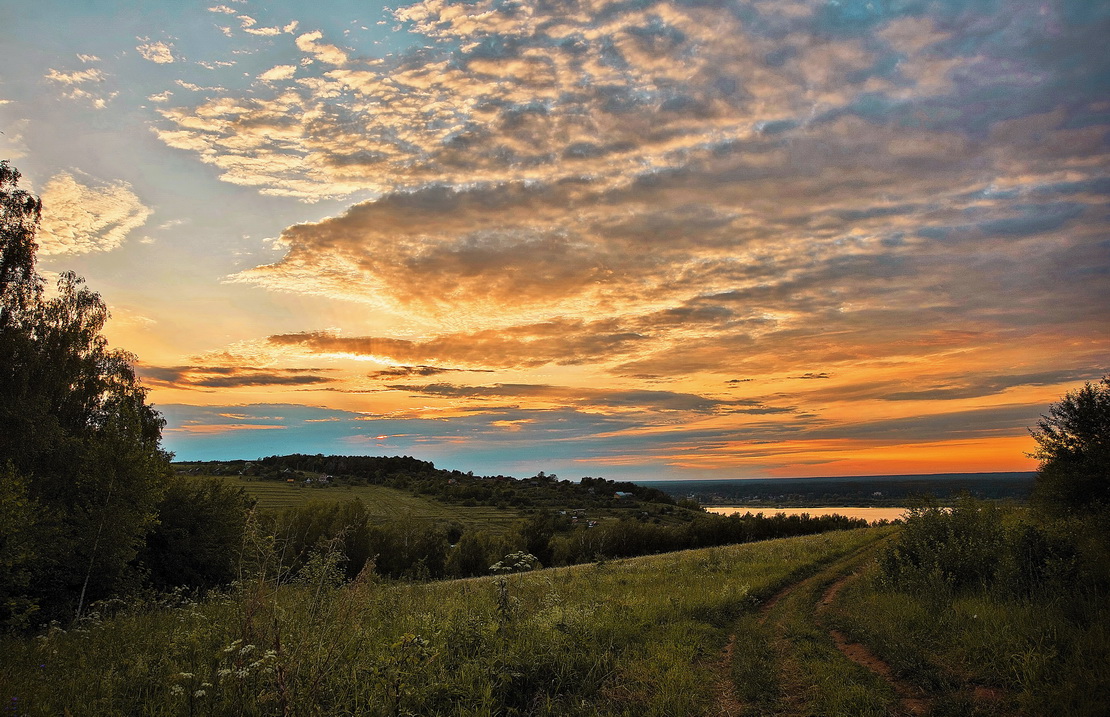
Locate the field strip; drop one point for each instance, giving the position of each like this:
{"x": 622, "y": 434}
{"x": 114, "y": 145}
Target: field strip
{"x": 726, "y": 702}
{"x": 912, "y": 701}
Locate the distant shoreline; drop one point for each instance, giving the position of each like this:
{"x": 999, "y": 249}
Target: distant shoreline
{"x": 870, "y": 514}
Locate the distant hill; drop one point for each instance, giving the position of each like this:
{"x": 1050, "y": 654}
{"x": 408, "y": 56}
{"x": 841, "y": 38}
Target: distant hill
{"x": 447, "y": 486}
{"x": 876, "y": 490}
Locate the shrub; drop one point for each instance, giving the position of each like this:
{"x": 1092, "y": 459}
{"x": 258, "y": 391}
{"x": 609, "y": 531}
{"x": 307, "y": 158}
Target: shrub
{"x": 953, "y": 548}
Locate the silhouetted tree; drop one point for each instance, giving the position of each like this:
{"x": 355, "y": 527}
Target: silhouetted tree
{"x": 1073, "y": 445}
{"x": 75, "y": 429}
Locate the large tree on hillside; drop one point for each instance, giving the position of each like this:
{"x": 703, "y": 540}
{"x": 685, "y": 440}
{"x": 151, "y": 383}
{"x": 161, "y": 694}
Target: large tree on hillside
{"x": 1073, "y": 445}
{"x": 79, "y": 446}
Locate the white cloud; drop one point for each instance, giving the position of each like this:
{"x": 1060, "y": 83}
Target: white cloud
{"x": 82, "y": 215}
{"x": 280, "y": 72}
{"x": 77, "y": 77}
{"x": 263, "y": 31}
{"x": 329, "y": 54}
{"x": 158, "y": 52}
{"x": 83, "y": 85}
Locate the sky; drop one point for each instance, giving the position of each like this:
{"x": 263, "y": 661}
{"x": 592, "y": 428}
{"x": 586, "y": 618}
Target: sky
{"x": 635, "y": 239}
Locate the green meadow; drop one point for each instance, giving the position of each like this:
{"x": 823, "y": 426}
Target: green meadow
{"x": 1003, "y": 616}
{"x": 641, "y": 636}
{"x": 382, "y": 502}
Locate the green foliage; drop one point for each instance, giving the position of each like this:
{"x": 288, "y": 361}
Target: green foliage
{"x": 409, "y": 548}
{"x": 1073, "y": 445}
{"x": 20, "y": 537}
{"x": 476, "y": 551}
{"x": 304, "y": 531}
{"x": 995, "y": 596}
{"x": 629, "y": 637}
{"x": 1045, "y": 652}
{"x": 74, "y": 423}
{"x": 196, "y": 542}
{"x": 20, "y": 286}
{"x": 956, "y": 548}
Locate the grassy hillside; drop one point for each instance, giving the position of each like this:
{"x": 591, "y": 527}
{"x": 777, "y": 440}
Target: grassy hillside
{"x": 795, "y": 626}
{"x": 640, "y": 636}
{"x": 382, "y": 502}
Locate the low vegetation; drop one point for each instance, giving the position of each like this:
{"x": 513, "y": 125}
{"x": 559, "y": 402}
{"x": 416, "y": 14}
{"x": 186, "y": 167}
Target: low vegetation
{"x": 994, "y": 603}
{"x": 612, "y": 637}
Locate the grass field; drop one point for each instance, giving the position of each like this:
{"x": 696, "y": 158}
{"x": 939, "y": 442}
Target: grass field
{"x": 627, "y": 637}
{"x": 383, "y": 503}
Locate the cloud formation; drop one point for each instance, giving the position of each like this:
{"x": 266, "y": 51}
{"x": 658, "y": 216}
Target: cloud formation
{"x": 755, "y": 223}
{"x": 158, "y": 51}
{"x": 81, "y": 214}
{"x": 83, "y": 85}
{"x": 617, "y": 160}
{"x": 228, "y": 377}
{"x": 556, "y": 342}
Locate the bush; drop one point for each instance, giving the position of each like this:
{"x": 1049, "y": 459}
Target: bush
{"x": 198, "y": 537}
{"x": 1073, "y": 445}
{"x": 952, "y": 548}
{"x": 979, "y": 546}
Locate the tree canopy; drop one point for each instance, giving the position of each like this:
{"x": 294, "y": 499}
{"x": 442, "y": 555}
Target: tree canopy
{"x": 80, "y": 455}
{"x": 1073, "y": 445}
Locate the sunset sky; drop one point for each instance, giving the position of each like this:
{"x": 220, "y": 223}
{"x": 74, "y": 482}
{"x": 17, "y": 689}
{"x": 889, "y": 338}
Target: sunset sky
{"x": 630, "y": 239}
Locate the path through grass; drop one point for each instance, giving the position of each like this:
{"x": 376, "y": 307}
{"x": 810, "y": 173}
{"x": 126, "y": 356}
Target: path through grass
{"x": 803, "y": 653}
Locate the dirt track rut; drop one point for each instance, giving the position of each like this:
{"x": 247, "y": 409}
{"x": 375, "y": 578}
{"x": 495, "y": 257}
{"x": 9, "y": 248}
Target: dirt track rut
{"x": 835, "y": 576}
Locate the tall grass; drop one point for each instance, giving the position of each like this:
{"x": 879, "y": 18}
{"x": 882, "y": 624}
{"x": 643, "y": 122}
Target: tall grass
{"x": 985, "y": 597}
{"x": 612, "y": 638}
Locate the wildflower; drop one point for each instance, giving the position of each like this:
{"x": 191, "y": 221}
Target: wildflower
{"x": 199, "y": 693}
{"x": 176, "y": 690}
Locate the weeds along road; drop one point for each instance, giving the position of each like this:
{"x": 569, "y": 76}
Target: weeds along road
{"x": 782, "y": 660}
{"x": 787, "y": 658}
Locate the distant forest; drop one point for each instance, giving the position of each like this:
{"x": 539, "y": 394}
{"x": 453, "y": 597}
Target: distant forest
{"x": 851, "y": 491}
{"x": 423, "y": 478}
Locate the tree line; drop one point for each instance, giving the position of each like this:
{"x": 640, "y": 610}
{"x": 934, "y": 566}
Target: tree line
{"x": 449, "y": 486}
{"x": 419, "y": 549}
